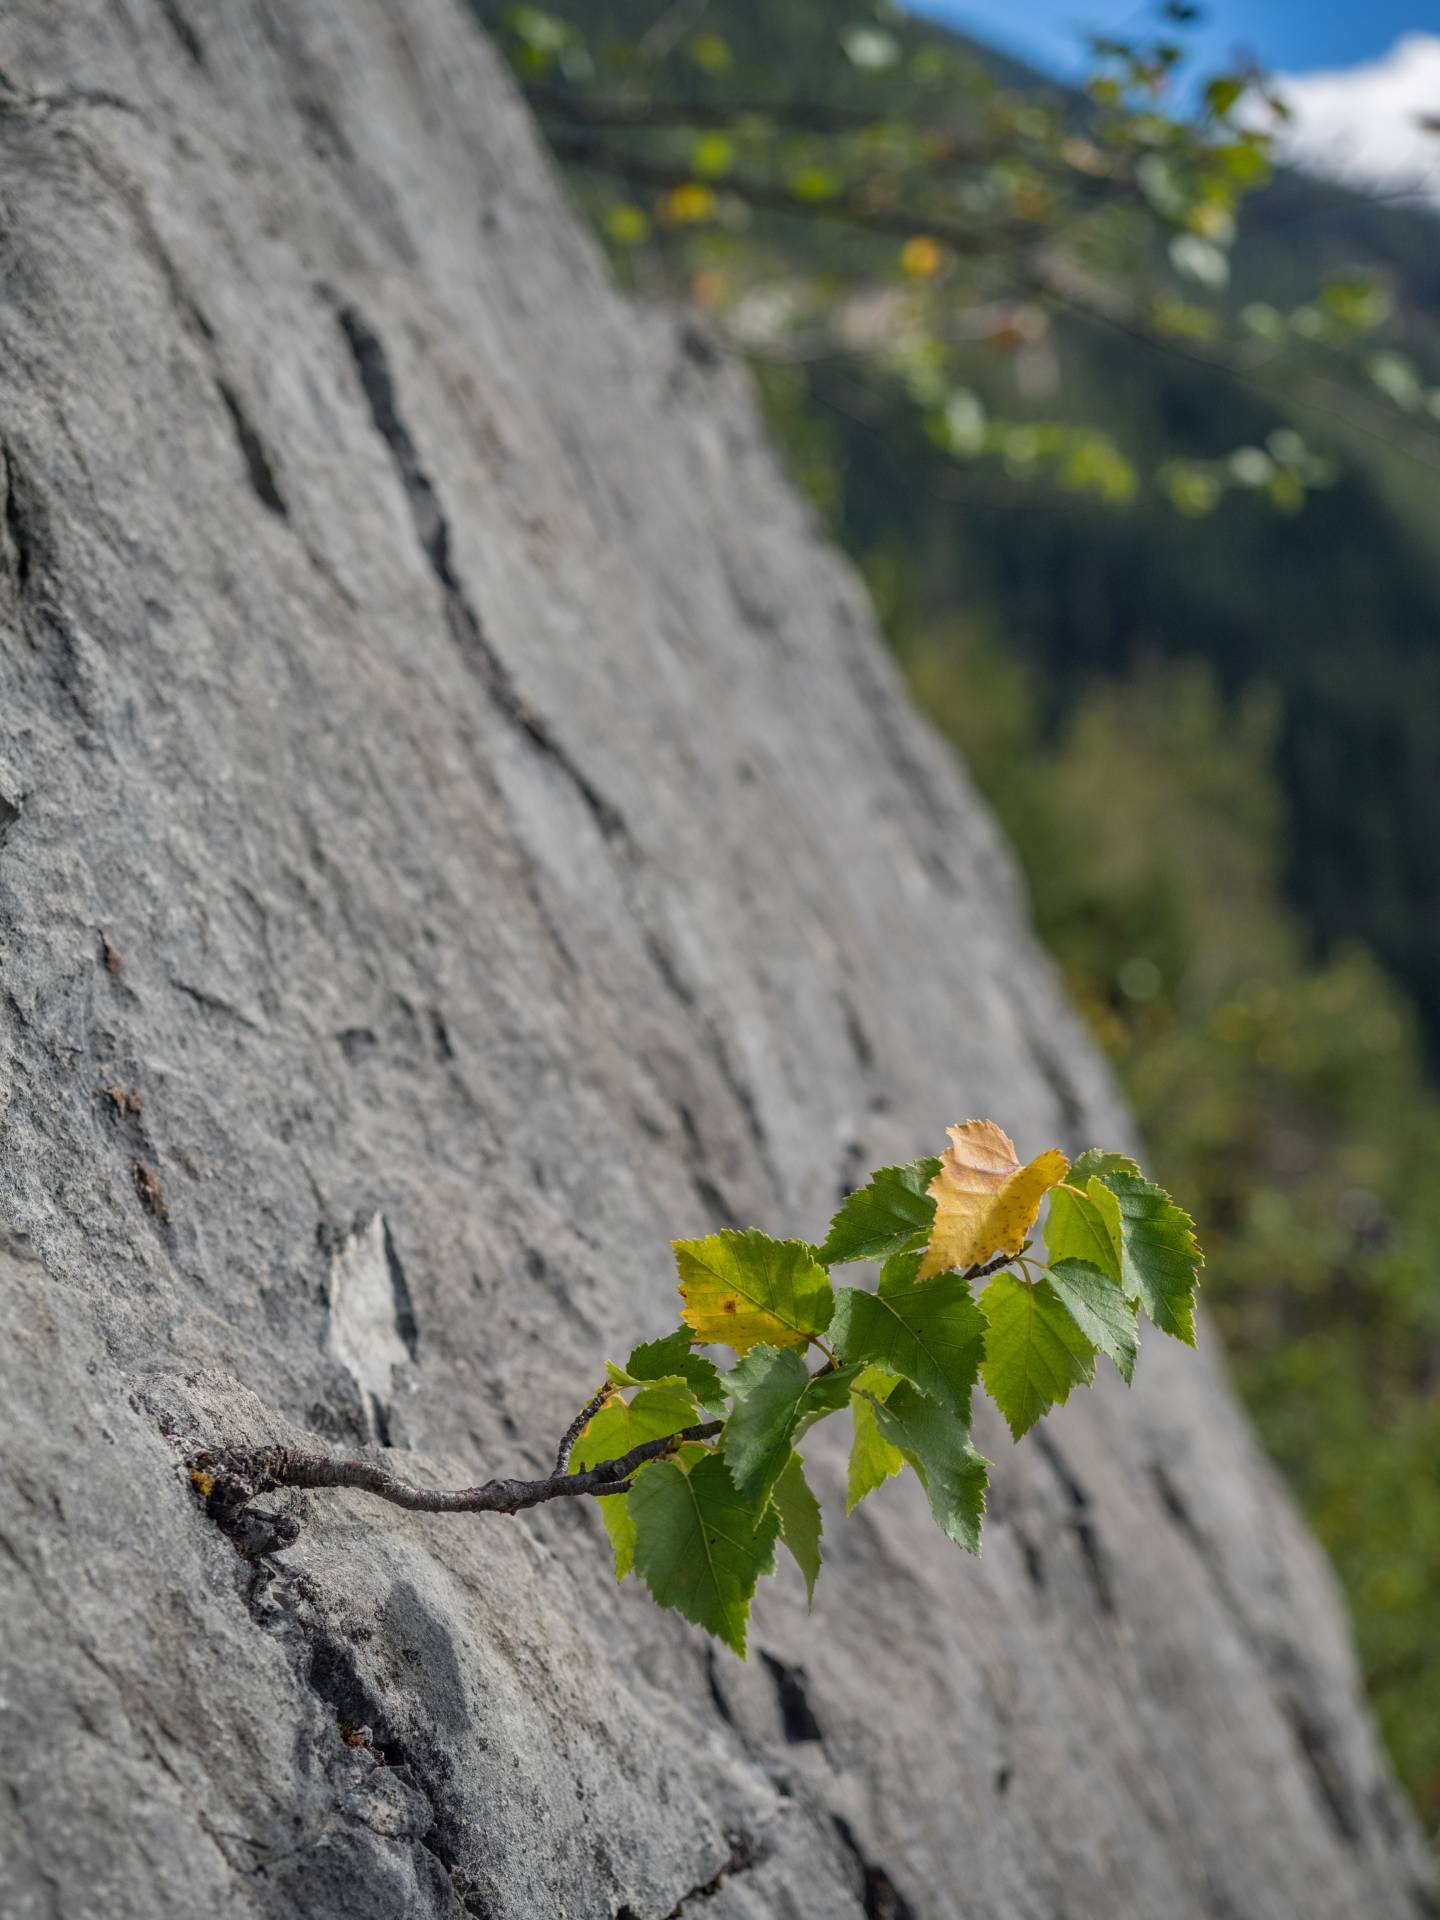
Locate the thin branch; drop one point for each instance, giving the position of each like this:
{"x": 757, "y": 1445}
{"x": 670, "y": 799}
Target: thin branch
{"x": 854, "y": 208}
{"x": 993, "y": 1266}
{"x": 943, "y": 146}
{"x": 238, "y": 1476}
{"x": 793, "y": 116}
{"x": 578, "y": 1425}
{"x": 582, "y": 110}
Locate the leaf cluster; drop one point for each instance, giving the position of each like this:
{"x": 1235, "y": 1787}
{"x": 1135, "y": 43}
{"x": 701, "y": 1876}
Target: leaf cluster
{"x": 959, "y": 1302}
{"x": 876, "y": 198}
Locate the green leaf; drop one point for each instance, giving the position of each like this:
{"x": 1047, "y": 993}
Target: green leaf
{"x": 1077, "y": 1229}
{"x": 1095, "y": 1163}
{"x": 670, "y": 1362}
{"x": 873, "y": 1460}
{"x": 773, "y": 1391}
{"x": 1034, "y": 1352}
{"x": 698, "y": 1546}
{"x": 870, "y": 47}
{"x": 712, "y": 156}
{"x": 1223, "y": 91}
{"x": 1108, "y": 1207}
{"x": 606, "y": 1438}
{"x": 800, "y": 1525}
{"x": 1159, "y": 1258}
{"x": 884, "y": 1217}
{"x": 930, "y": 1331}
{"x": 614, "y": 1430}
{"x": 1097, "y": 1305}
{"x": 937, "y": 1445}
{"x": 745, "y": 1289}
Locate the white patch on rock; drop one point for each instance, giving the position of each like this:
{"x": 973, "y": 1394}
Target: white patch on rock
{"x": 364, "y": 1325}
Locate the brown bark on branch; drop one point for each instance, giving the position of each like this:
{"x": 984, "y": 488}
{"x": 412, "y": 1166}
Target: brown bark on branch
{"x": 236, "y": 1477}
{"x": 577, "y": 1426}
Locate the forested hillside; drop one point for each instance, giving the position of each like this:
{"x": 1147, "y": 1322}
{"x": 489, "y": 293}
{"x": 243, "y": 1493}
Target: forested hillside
{"x": 1211, "y": 725}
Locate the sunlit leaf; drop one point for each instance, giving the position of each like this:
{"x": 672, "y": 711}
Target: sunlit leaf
{"x": 711, "y": 53}
{"x": 921, "y": 257}
{"x": 627, "y": 226}
{"x": 892, "y": 1211}
{"x": 985, "y": 1201}
{"x": 713, "y": 155}
{"x": 1200, "y": 260}
{"x": 745, "y": 1290}
{"x": 688, "y": 205}
{"x": 872, "y": 1458}
{"x": 870, "y": 48}
{"x": 1159, "y": 1258}
{"x": 613, "y": 1431}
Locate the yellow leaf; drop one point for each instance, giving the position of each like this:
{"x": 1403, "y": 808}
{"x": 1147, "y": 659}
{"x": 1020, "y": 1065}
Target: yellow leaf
{"x": 745, "y": 1290}
{"x": 627, "y": 226}
{"x": 689, "y": 205}
{"x": 985, "y": 1201}
{"x": 921, "y": 257}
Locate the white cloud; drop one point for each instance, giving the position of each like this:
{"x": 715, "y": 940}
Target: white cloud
{"x": 1362, "y": 124}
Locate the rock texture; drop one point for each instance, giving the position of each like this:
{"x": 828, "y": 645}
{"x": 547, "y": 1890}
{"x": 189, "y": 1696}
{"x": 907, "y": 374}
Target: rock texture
{"x": 457, "y": 829}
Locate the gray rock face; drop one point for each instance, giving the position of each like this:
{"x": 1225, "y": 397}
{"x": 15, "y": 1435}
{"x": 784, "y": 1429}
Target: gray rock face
{"x": 458, "y": 828}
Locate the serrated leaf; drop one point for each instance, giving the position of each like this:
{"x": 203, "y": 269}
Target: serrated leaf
{"x": 1076, "y": 1228}
{"x": 884, "y": 1216}
{"x": 699, "y": 1547}
{"x": 1034, "y": 1352}
{"x": 985, "y": 1201}
{"x": 772, "y": 1391}
{"x": 930, "y": 1331}
{"x": 671, "y": 1363}
{"x": 1099, "y": 1308}
{"x": 620, "y": 1526}
{"x": 1108, "y": 1207}
{"x": 615, "y": 1429}
{"x": 800, "y": 1522}
{"x": 873, "y": 1460}
{"x": 745, "y": 1289}
{"x": 1159, "y": 1258}
{"x": 937, "y": 1446}
{"x": 1096, "y": 1164}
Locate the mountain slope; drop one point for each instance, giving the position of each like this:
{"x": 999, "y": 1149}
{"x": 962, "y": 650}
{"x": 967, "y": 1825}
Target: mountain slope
{"x": 461, "y": 828}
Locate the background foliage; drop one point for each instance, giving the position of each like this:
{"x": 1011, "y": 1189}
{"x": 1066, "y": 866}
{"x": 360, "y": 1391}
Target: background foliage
{"x": 1179, "y": 616}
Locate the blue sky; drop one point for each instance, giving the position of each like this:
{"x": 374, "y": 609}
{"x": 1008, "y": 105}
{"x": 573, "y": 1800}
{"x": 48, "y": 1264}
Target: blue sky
{"x": 1292, "y": 36}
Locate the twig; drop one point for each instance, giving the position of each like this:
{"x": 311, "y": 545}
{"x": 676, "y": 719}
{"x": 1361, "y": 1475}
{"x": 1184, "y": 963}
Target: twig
{"x": 238, "y": 1476}
{"x": 992, "y": 1266}
{"x": 578, "y": 1425}
{"x": 795, "y": 116}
